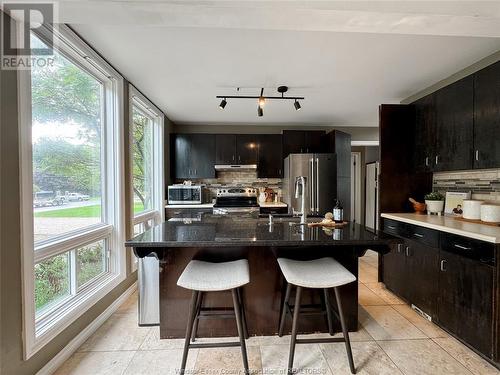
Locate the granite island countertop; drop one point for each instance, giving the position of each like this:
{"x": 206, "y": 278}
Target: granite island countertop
{"x": 212, "y": 230}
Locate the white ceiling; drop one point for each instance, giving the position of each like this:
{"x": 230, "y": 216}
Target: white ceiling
{"x": 345, "y": 57}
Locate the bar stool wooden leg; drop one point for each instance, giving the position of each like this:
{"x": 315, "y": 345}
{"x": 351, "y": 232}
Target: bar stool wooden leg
{"x": 296, "y": 311}
{"x": 345, "y": 331}
{"x": 189, "y": 329}
{"x": 328, "y": 311}
{"x": 243, "y": 314}
{"x": 241, "y": 334}
{"x": 199, "y": 303}
{"x": 283, "y": 309}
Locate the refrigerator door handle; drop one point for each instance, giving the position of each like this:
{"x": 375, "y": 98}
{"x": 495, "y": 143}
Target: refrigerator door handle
{"x": 317, "y": 185}
{"x": 311, "y": 185}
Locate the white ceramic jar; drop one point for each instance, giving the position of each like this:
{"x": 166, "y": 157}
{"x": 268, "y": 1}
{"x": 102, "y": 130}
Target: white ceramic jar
{"x": 472, "y": 209}
{"x": 490, "y": 213}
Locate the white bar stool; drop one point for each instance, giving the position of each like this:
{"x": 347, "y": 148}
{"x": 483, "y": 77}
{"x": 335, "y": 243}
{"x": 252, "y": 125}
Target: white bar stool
{"x": 323, "y": 274}
{"x": 200, "y": 277}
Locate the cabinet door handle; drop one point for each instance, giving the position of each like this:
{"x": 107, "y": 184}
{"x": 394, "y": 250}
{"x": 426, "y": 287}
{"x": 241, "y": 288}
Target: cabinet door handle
{"x": 407, "y": 251}
{"x": 239, "y": 157}
{"x": 426, "y": 161}
{"x": 442, "y": 267}
{"x": 400, "y": 245}
{"x": 437, "y": 159}
{"x": 418, "y": 235}
{"x": 462, "y": 247}
{"x": 233, "y": 157}
{"x": 477, "y": 155}
{"x": 195, "y": 171}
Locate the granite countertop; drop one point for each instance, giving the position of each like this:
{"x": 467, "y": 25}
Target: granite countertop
{"x": 448, "y": 224}
{"x": 212, "y": 230}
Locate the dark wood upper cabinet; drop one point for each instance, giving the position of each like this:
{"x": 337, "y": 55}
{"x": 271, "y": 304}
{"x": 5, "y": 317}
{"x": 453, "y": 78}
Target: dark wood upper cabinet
{"x": 193, "y": 156}
{"x": 302, "y": 141}
{"x": 236, "y": 149}
{"x": 225, "y": 146}
{"x": 487, "y": 117}
{"x": 270, "y": 156}
{"x": 247, "y": 148}
{"x": 454, "y": 126}
{"x": 339, "y": 143}
{"x": 425, "y": 133}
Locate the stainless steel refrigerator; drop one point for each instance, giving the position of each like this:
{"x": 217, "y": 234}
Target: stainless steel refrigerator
{"x": 320, "y": 171}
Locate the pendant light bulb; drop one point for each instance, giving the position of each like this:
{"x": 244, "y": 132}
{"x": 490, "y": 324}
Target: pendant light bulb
{"x": 262, "y": 101}
{"x": 260, "y": 112}
{"x": 297, "y": 105}
{"x": 222, "y": 104}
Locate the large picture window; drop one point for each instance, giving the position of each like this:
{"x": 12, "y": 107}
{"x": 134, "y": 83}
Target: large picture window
{"x": 72, "y": 185}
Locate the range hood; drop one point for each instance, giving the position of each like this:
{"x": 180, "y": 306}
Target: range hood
{"x": 235, "y": 167}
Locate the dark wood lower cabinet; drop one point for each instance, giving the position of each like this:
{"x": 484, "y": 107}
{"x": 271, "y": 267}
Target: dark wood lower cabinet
{"x": 465, "y": 305}
{"x": 394, "y": 274}
{"x": 451, "y": 278}
{"x": 421, "y": 265}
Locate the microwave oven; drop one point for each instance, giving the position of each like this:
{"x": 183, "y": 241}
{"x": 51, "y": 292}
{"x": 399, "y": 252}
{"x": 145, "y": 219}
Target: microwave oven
{"x": 186, "y": 194}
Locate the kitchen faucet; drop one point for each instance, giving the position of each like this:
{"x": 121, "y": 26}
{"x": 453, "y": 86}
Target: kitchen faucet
{"x": 300, "y": 191}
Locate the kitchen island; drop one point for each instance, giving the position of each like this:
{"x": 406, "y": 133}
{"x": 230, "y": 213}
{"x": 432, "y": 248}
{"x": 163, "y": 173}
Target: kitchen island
{"x": 229, "y": 237}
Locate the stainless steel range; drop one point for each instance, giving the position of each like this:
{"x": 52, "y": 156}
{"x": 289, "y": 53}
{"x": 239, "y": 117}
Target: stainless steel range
{"x": 236, "y": 199}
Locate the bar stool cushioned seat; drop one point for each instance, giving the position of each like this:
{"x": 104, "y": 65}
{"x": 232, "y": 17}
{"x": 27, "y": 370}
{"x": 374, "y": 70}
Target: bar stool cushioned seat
{"x": 202, "y": 277}
{"x": 323, "y": 273}
{"x": 211, "y": 277}
{"x": 317, "y": 273}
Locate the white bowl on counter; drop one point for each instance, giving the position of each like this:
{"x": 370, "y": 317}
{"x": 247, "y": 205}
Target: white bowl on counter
{"x": 472, "y": 209}
{"x": 490, "y": 213}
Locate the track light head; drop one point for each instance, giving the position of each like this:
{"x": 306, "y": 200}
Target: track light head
{"x": 260, "y": 112}
{"x": 297, "y": 106}
{"x": 222, "y": 104}
{"x": 262, "y": 101}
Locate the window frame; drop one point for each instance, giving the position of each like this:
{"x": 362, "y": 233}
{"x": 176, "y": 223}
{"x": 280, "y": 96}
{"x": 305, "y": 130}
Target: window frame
{"x": 156, "y": 213}
{"x": 38, "y": 331}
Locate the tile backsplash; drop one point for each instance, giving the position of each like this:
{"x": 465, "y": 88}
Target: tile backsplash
{"x": 239, "y": 178}
{"x": 484, "y": 184}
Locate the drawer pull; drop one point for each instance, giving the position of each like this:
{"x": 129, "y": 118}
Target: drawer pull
{"x": 442, "y": 267}
{"x": 462, "y": 247}
{"x": 400, "y": 245}
{"x": 407, "y": 251}
{"x": 391, "y": 227}
{"x": 418, "y": 235}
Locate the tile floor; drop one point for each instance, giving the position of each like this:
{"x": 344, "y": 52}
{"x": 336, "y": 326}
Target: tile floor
{"x": 393, "y": 340}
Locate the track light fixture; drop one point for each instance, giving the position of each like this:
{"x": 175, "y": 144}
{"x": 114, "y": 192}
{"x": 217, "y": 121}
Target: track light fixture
{"x": 297, "y": 106}
{"x": 222, "y": 104}
{"x": 261, "y": 99}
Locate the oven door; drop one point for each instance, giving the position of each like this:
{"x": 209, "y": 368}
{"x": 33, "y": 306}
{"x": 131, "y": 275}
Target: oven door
{"x": 184, "y": 195}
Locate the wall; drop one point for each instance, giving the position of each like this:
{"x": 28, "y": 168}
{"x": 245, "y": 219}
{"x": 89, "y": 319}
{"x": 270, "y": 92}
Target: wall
{"x": 484, "y": 184}
{"x": 454, "y": 77}
{"x": 358, "y": 134}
